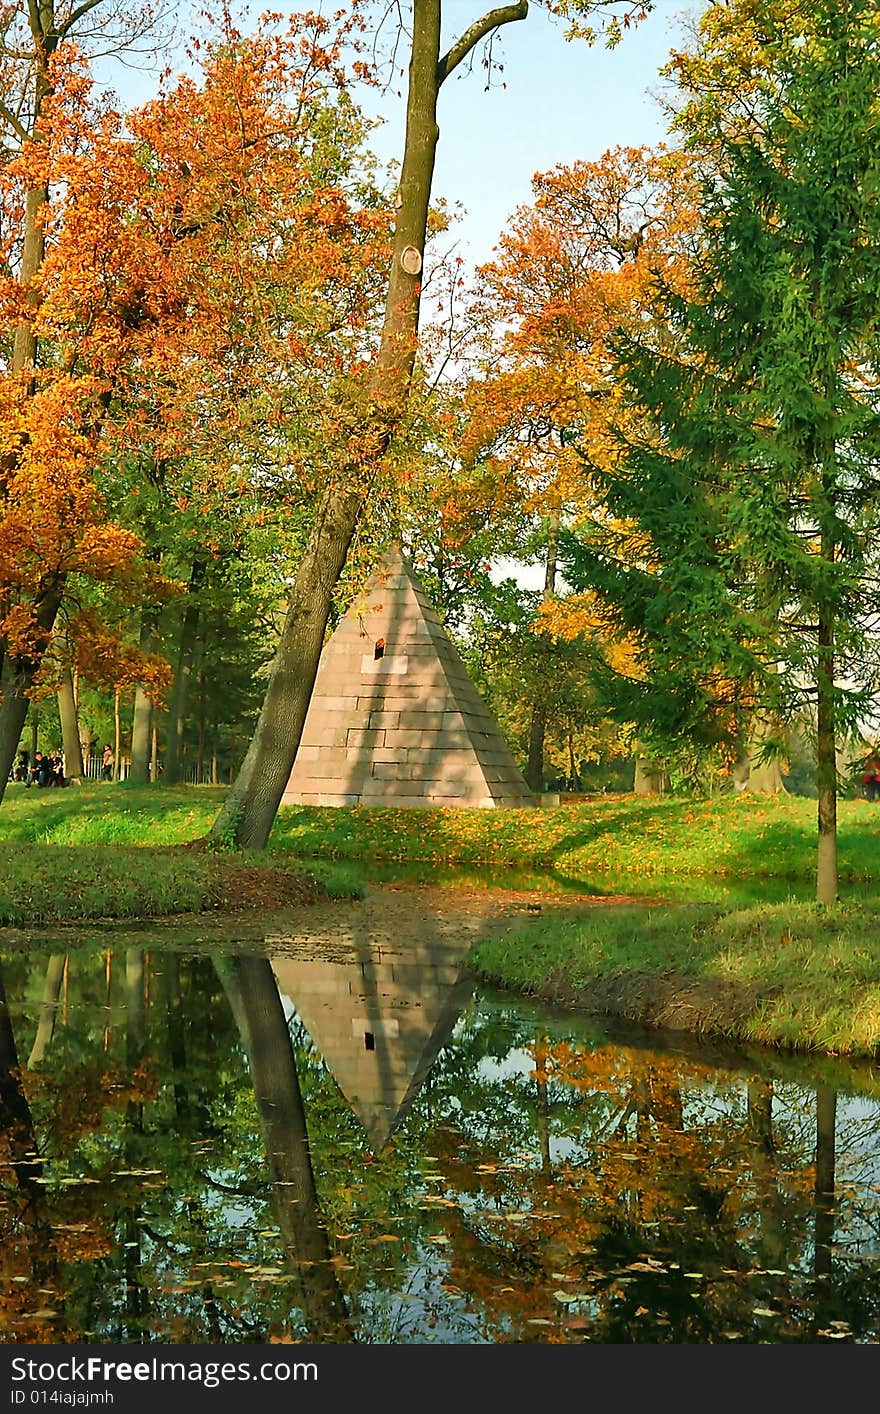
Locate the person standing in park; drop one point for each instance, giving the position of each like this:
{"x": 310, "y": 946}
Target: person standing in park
{"x": 871, "y": 778}
{"x": 107, "y": 763}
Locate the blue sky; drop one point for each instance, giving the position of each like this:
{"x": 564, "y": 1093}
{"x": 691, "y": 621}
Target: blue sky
{"x": 562, "y": 101}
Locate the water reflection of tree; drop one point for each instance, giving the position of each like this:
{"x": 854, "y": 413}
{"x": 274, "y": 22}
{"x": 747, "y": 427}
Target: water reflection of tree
{"x": 679, "y": 1206}
{"x": 27, "y": 1258}
{"x": 152, "y": 1168}
{"x": 253, "y": 995}
{"x": 540, "y": 1188}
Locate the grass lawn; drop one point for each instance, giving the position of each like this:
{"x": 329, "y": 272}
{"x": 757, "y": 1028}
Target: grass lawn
{"x": 731, "y": 837}
{"x": 738, "y": 836}
{"x": 791, "y": 975}
{"x": 106, "y": 851}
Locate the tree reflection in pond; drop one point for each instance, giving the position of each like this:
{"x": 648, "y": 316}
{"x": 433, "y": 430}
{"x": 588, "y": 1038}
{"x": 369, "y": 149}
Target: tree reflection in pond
{"x": 178, "y": 1163}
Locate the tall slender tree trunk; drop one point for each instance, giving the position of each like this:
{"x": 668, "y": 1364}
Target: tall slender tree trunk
{"x": 538, "y": 720}
{"x": 542, "y": 1104}
{"x": 142, "y": 717}
{"x": 251, "y": 806}
{"x": 186, "y": 651}
{"x": 117, "y": 736}
{"x": 55, "y": 969}
{"x": 202, "y": 732}
{"x": 826, "y": 765}
{"x": 826, "y": 1122}
{"x": 70, "y": 737}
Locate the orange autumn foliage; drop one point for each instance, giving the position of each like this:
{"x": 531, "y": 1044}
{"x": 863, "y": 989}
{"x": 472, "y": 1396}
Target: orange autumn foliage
{"x": 190, "y": 255}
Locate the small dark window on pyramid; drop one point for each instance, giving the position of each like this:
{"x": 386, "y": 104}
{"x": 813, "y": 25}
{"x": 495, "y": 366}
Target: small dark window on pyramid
{"x": 369, "y": 1041}
{"x": 379, "y": 650}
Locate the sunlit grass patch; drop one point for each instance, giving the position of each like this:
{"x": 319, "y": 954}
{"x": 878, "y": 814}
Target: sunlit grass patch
{"x": 812, "y": 974}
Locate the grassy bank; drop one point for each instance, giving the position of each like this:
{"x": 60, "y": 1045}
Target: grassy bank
{"x": 785, "y": 974}
{"x": 789, "y": 975}
{"x": 731, "y": 836}
{"x": 728, "y": 837}
{"x": 44, "y": 884}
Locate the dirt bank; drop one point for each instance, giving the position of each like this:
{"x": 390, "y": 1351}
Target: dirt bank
{"x": 709, "y": 1007}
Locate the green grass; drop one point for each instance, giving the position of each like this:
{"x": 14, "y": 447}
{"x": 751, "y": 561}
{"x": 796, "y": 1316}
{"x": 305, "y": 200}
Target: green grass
{"x": 43, "y": 884}
{"x": 814, "y": 975}
{"x": 104, "y": 814}
{"x": 728, "y": 837}
{"x": 618, "y": 838}
{"x": 811, "y": 977}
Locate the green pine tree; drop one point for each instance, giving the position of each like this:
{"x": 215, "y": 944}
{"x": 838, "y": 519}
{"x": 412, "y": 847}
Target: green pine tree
{"x": 738, "y": 544}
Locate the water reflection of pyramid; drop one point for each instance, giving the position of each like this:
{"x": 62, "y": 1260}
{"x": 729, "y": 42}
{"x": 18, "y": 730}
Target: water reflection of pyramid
{"x": 379, "y": 1019}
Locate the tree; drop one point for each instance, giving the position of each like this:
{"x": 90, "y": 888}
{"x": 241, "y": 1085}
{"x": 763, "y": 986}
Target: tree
{"x": 569, "y": 270}
{"x": 368, "y": 427}
{"x": 740, "y": 515}
{"x": 220, "y": 208}
{"x": 46, "y": 431}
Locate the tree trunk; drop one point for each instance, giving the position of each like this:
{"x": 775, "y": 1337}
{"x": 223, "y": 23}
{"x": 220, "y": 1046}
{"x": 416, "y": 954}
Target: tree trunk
{"x": 17, "y": 677}
{"x": 650, "y": 779}
{"x": 117, "y": 737}
{"x": 765, "y": 776}
{"x": 141, "y": 722}
{"x": 250, "y": 809}
{"x": 826, "y": 1120}
{"x": 24, "y": 349}
{"x": 70, "y": 738}
{"x": 538, "y": 722}
{"x": 186, "y": 650}
{"x": 826, "y": 766}
{"x": 542, "y": 1104}
{"x": 48, "y": 1007}
{"x": 141, "y": 727}
{"x": 202, "y": 729}
{"x": 251, "y": 806}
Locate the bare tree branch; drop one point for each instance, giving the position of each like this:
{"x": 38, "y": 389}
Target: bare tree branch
{"x": 77, "y": 14}
{"x": 11, "y": 121}
{"x": 493, "y": 19}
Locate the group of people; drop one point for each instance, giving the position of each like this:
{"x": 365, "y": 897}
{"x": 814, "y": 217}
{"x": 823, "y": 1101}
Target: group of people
{"x": 46, "y": 769}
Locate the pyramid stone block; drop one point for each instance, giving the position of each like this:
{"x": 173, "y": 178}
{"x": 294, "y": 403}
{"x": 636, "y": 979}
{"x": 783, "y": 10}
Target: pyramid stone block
{"x": 394, "y": 718}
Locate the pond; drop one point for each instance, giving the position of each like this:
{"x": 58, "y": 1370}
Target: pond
{"x": 243, "y": 1135}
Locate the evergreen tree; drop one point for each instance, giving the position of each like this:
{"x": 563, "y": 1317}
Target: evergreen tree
{"x": 741, "y": 504}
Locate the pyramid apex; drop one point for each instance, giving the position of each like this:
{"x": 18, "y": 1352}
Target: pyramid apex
{"x": 395, "y": 554}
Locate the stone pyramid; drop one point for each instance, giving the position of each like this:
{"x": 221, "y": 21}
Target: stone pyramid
{"x": 394, "y": 718}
